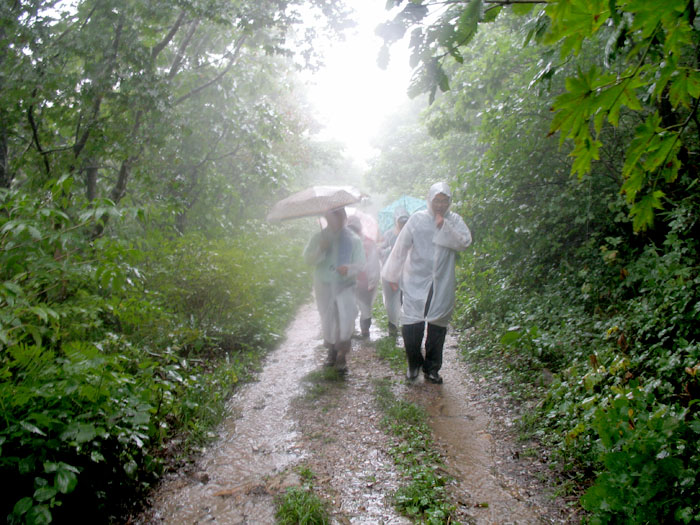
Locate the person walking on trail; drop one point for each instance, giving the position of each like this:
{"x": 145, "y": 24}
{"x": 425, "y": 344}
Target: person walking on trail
{"x": 423, "y": 264}
{"x": 338, "y": 256}
{"x": 392, "y": 298}
{"x": 367, "y": 278}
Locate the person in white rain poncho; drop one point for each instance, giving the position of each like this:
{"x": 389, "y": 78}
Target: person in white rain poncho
{"x": 392, "y": 298}
{"x": 338, "y": 256}
{"x": 422, "y": 263}
{"x": 367, "y": 278}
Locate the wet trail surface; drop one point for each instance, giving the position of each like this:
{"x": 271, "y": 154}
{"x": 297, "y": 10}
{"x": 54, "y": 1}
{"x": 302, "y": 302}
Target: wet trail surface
{"x": 282, "y": 421}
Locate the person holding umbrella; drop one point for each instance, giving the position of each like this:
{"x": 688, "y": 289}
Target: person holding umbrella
{"x": 423, "y": 262}
{"x": 338, "y": 256}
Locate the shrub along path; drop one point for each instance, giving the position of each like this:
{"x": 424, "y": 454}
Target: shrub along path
{"x": 300, "y": 426}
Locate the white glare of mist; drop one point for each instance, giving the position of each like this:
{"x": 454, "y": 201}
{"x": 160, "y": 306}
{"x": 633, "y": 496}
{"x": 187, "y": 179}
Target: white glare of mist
{"x": 351, "y": 94}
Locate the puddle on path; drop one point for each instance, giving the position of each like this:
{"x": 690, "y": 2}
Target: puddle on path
{"x": 234, "y": 478}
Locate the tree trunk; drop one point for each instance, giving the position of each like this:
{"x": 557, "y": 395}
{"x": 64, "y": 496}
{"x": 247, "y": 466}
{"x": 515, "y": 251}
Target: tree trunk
{"x": 91, "y": 183}
{"x": 5, "y": 175}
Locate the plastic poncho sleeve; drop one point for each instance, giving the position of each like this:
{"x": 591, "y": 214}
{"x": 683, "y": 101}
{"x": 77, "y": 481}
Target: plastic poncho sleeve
{"x": 313, "y": 254}
{"x": 387, "y": 245}
{"x": 454, "y": 234}
{"x": 372, "y": 266}
{"x": 357, "y": 259}
{"x": 325, "y": 261}
{"x": 393, "y": 266}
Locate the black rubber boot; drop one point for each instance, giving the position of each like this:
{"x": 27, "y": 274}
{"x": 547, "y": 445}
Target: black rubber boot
{"x": 413, "y": 341}
{"x": 393, "y": 331}
{"x": 341, "y": 364}
{"x": 364, "y": 326}
{"x": 332, "y": 355}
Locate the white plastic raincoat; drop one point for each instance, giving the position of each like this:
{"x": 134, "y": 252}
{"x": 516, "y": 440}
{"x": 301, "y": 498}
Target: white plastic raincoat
{"x": 392, "y": 298}
{"x": 368, "y": 279}
{"x": 425, "y": 256}
{"x": 335, "y": 293}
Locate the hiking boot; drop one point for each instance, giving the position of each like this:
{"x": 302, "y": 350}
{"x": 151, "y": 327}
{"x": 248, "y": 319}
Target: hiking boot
{"x": 364, "y": 326}
{"x": 340, "y": 361}
{"x": 393, "y": 330}
{"x": 331, "y": 357}
{"x": 433, "y": 377}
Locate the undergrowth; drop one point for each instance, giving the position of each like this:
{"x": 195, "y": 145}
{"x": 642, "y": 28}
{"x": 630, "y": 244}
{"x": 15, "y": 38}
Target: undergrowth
{"x": 300, "y": 505}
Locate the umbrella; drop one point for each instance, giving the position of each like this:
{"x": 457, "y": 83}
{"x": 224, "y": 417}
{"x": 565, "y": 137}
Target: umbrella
{"x": 370, "y": 228}
{"x": 316, "y": 200}
{"x": 410, "y": 204}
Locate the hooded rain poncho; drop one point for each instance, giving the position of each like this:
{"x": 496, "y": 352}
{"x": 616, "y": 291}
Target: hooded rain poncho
{"x": 424, "y": 257}
{"x": 335, "y": 293}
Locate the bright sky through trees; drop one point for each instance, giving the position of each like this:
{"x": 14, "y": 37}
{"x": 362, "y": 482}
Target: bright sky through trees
{"x": 351, "y": 93}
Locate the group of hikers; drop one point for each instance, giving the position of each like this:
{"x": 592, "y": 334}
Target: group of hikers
{"x": 416, "y": 266}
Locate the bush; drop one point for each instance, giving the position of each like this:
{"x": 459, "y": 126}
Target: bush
{"x": 113, "y": 351}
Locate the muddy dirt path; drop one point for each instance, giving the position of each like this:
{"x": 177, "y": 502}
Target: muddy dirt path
{"x": 283, "y": 421}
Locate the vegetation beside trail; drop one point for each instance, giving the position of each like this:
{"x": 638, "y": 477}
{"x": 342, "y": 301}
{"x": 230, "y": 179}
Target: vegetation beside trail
{"x": 140, "y": 145}
{"x": 141, "y": 142}
{"x": 569, "y": 132}
{"x": 301, "y": 505}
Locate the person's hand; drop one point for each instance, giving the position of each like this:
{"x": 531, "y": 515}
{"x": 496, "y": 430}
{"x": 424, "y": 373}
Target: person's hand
{"x": 439, "y": 220}
{"x": 394, "y": 286}
{"x": 342, "y": 270}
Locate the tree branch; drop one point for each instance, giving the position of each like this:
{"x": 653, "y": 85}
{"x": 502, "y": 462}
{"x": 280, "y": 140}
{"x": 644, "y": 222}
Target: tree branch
{"x": 35, "y": 135}
{"x": 218, "y": 77}
{"x": 80, "y": 144}
{"x": 166, "y": 40}
{"x": 181, "y": 50}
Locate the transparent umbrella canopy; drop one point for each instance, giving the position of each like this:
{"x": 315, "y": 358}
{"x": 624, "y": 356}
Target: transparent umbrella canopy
{"x": 315, "y": 200}
{"x": 408, "y": 203}
{"x": 370, "y": 228}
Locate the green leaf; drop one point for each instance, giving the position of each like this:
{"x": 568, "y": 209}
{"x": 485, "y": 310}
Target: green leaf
{"x": 584, "y": 153}
{"x": 13, "y": 287}
{"x": 642, "y": 212}
{"x": 130, "y": 468}
{"x": 468, "y": 22}
{"x": 31, "y": 428}
{"x": 492, "y": 13}
{"x": 79, "y": 432}
{"x": 65, "y": 481}
{"x": 45, "y": 493}
{"x": 23, "y": 505}
{"x": 511, "y": 337}
{"x": 668, "y": 147}
{"x": 521, "y": 9}
{"x": 39, "y": 515}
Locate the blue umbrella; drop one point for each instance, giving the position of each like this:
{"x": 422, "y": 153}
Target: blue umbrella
{"x": 410, "y": 204}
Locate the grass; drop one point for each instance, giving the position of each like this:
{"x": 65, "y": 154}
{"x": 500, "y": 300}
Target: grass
{"x": 300, "y": 505}
{"x": 319, "y": 382}
{"x": 423, "y": 497}
{"x": 388, "y": 351}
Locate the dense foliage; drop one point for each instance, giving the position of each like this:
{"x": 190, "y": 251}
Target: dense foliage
{"x": 140, "y": 143}
{"x": 586, "y": 284}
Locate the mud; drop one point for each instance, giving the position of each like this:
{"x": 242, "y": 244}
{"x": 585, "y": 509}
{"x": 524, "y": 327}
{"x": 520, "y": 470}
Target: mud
{"x": 285, "y": 422}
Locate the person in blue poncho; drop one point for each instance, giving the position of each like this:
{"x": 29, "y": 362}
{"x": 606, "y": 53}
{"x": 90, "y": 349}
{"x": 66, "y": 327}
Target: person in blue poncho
{"x": 338, "y": 256}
